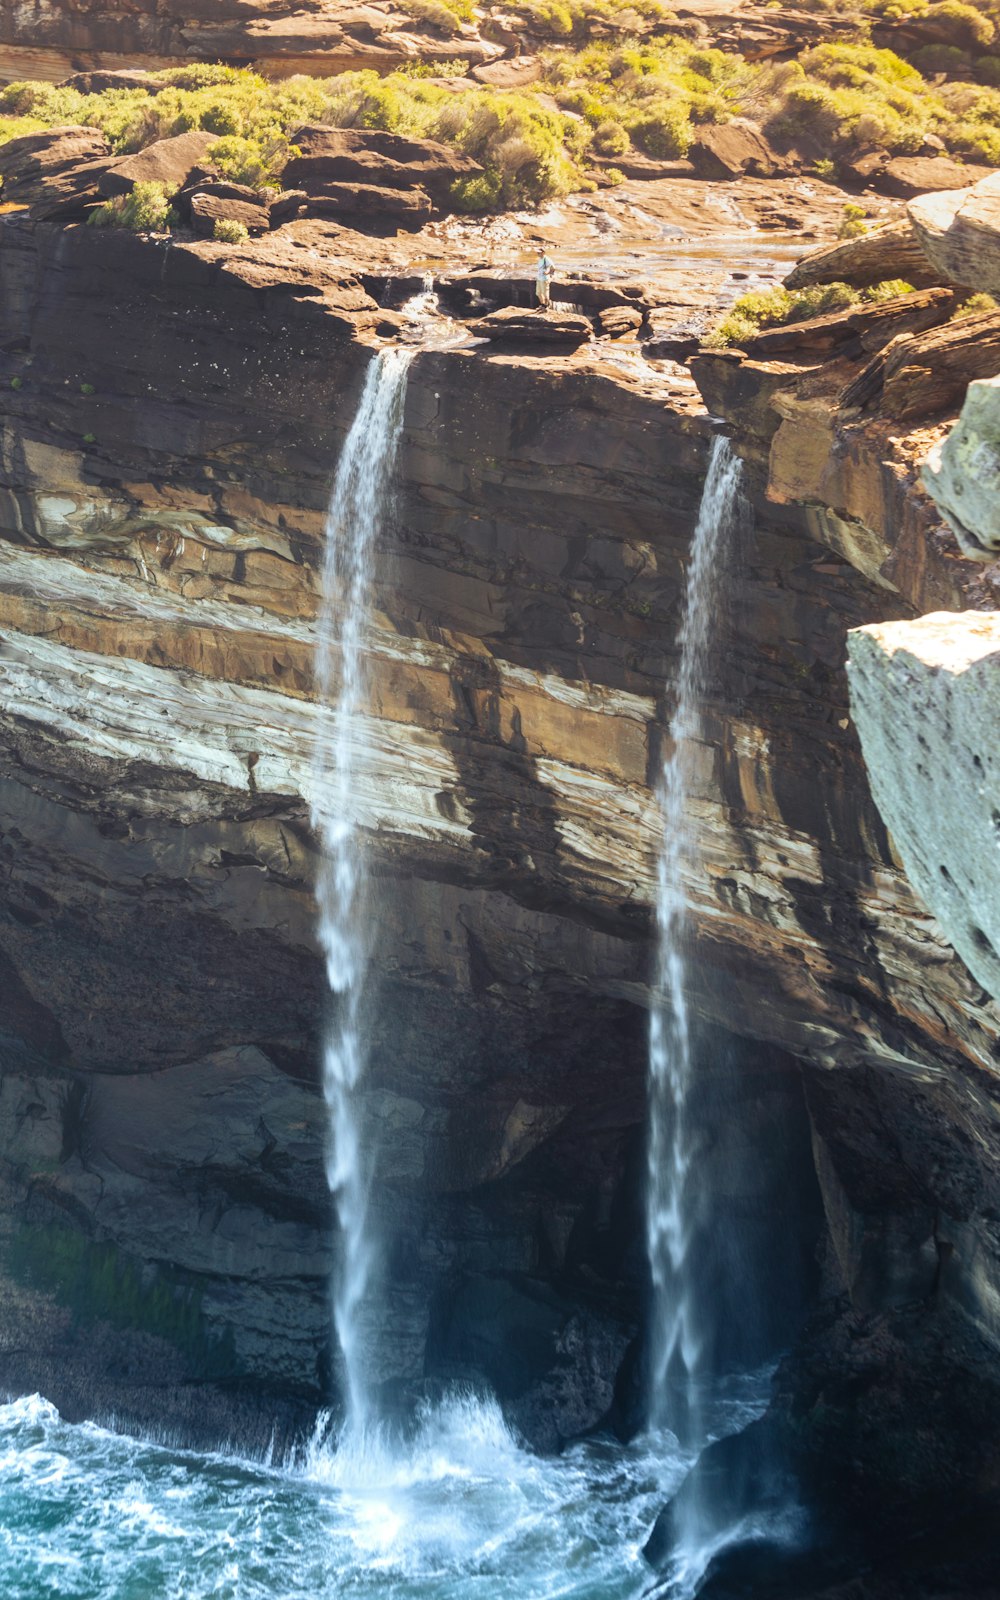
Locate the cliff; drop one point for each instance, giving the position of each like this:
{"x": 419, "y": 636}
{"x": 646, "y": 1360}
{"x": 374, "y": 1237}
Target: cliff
{"x": 172, "y": 415}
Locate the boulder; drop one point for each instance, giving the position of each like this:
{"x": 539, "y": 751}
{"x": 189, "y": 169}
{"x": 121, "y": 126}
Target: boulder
{"x": 98, "y": 82}
{"x": 894, "y": 251}
{"x": 959, "y": 232}
{"x": 512, "y": 73}
{"x": 616, "y": 321}
{"x": 906, "y": 176}
{"x": 55, "y": 172}
{"x": 962, "y": 472}
{"x": 730, "y": 149}
{"x": 288, "y": 205}
{"x": 511, "y": 325}
{"x": 169, "y": 161}
{"x": 374, "y": 159}
{"x": 369, "y": 200}
{"x": 207, "y": 209}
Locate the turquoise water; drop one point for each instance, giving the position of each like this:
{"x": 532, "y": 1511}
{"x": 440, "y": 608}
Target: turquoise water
{"x": 462, "y": 1511}
{"x": 463, "y": 1514}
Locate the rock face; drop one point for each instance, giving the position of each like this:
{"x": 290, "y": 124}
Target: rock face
{"x": 55, "y": 38}
{"x": 926, "y": 697}
{"x": 906, "y": 1153}
{"x": 165, "y": 463}
{"x": 962, "y": 472}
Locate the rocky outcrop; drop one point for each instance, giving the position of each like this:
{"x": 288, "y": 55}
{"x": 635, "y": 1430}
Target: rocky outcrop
{"x": 958, "y": 233}
{"x": 925, "y": 695}
{"x": 962, "y": 472}
{"x": 57, "y": 38}
{"x": 892, "y": 251}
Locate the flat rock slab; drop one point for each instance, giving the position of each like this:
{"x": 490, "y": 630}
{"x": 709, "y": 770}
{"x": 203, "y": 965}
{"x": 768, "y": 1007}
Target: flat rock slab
{"x": 208, "y": 209}
{"x": 906, "y": 176}
{"x": 926, "y": 701}
{"x": 373, "y": 157}
{"x": 369, "y": 200}
{"x": 513, "y": 326}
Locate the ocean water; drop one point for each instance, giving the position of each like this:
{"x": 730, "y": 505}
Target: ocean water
{"x": 460, "y": 1511}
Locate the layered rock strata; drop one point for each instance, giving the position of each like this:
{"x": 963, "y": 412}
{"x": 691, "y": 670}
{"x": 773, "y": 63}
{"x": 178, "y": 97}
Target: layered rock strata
{"x": 166, "y": 457}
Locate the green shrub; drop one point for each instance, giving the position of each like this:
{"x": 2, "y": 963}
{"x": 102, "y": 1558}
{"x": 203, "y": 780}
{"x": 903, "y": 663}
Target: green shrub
{"x": 477, "y": 194}
{"x": 662, "y": 130}
{"x": 446, "y": 16}
{"x": 765, "y": 308}
{"x": 146, "y": 210}
{"x": 945, "y": 58}
{"x": 228, "y": 231}
{"x": 966, "y": 28}
{"x": 977, "y": 305}
{"x": 854, "y": 222}
{"x": 610, "y": 139}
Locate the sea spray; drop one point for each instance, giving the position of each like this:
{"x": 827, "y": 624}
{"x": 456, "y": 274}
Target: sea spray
{"x": 358, "y": 504}
{"x": 679, "y": 1312}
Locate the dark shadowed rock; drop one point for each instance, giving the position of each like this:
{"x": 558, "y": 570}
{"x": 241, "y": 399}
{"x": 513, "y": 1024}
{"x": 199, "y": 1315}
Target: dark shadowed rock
{"x": 98, "y": 82}
{"x": 510, "y": 325}
{"x": 168, "y": 161}
{"x": 743, "y": 1475}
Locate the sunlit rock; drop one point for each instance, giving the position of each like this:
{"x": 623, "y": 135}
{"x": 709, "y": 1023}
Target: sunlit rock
{"x": 962, "y": 472}
{"x": 926, "y": 700}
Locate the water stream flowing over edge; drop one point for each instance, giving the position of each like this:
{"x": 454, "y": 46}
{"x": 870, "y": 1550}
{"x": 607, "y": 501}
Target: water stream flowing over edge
{"x": 360, "y": 496}
{"x": 681, "y": 1311}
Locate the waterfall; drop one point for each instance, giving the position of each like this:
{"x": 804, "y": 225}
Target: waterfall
{"x": 679, "y": 1314}
{"x": 358, "y": 504}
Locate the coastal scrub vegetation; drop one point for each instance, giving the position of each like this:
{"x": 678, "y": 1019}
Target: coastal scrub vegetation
{"x": 593, "y": 104}
{"x": 146, "y": 209}
{"x": 768, "y": 308}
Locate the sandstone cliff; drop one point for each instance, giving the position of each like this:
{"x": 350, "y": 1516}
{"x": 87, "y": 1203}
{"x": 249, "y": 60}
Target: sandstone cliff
{"x": 172, "y": 415}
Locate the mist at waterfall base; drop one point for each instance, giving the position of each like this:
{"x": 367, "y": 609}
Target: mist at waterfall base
{"x": 447, "y": 1504}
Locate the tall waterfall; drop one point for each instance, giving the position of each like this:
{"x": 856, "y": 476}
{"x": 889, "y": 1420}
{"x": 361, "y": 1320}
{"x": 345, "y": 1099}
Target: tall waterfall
{"x": 679, "y": 1314}
{"x": 357, "y": 505}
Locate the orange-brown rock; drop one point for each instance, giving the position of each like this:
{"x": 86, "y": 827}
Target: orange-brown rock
{"x": 510, "y": 325}
{"x": 919, "y": 375}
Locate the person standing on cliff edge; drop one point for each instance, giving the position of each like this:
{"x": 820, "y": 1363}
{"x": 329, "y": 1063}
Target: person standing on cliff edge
{"x": 544, "y": 273}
